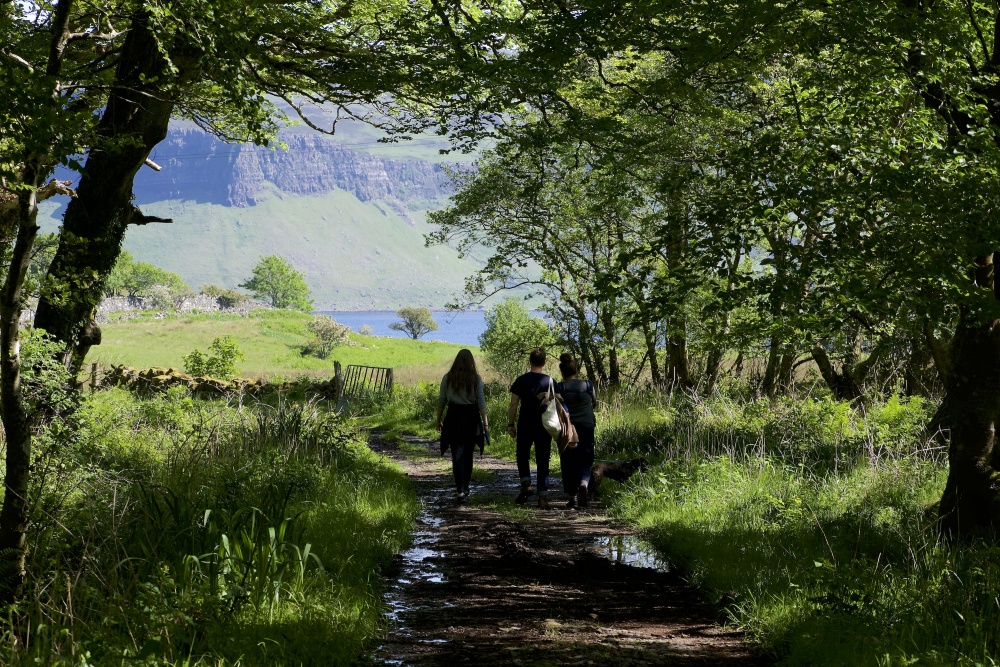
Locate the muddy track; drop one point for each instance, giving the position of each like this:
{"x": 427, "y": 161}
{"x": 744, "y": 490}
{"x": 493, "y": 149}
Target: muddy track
{"x": 487, "y": 584}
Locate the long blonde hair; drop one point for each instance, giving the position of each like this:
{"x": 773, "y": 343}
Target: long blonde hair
{"x": 463, "y": 376}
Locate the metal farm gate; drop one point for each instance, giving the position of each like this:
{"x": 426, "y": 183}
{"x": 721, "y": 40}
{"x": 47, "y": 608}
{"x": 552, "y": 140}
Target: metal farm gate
{"x": 364, "y": 382}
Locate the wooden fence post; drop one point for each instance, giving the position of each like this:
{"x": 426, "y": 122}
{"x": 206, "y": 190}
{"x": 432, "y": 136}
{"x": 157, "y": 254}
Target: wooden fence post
{"x": 338, "y": 383}
{"x": 93, "y": 378}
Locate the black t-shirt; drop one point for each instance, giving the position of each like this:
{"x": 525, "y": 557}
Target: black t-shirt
{"x": 527, "y": 387}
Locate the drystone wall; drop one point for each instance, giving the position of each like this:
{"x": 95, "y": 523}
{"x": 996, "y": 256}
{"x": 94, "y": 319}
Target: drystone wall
{"x": 154, "y": 380}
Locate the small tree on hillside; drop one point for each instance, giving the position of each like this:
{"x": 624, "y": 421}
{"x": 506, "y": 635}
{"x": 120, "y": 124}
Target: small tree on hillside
{"x": 511, "y": 333}
{"x": 415, "y": 322}
{"x": 276, "y": 280}
{"x": 139, "y": 279}
{"x": 328, "y": 336}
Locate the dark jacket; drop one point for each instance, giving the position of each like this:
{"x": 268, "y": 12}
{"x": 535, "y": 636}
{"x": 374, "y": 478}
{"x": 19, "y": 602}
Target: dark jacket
{"x": 462, "y": 425}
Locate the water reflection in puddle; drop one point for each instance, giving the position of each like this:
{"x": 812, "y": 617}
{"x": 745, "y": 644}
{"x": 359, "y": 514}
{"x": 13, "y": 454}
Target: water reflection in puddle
{"x": 631, "y": 550}
{"x": 417, "y": 566}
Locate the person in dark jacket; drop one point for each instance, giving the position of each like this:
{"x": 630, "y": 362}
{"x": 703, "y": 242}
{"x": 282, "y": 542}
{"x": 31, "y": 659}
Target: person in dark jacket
{"x": 527, "y": 394}
{"x": 580, "y": 400}
{"x": 465, "y": 425}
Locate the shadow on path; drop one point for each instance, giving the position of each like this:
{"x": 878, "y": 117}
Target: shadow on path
{"x": 488, "y": 583}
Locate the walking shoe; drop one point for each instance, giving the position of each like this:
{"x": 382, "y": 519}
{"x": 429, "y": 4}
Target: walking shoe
{"x": 571, "y": 505}
{"x": 543, "y": 503}
{"x": 581, "y": 496}
{"x": 526, "y": 492}
{"x": 461, "y": 497}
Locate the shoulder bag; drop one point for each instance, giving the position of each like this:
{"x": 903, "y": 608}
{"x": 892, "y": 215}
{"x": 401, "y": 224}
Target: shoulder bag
{"x": 551, "y": 418}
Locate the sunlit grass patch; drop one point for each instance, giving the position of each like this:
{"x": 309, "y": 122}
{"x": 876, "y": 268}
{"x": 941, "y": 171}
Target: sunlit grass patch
{"x": 480, "y": 475}
{"x": 814, "y": 526}
{"x": 214, "y": 534}
{"x": 504, "y": 504}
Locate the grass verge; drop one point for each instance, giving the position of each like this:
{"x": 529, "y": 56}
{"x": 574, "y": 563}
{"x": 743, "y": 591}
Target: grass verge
{"x": 813, "y": 525}
{"x": 175, "y": 531}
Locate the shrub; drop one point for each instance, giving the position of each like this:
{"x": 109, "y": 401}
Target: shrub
{"x": 230, "y": 298}
{"x": 366, "y": 330}
{"x": 511, "y": 332}
{"x": 328, "y": 335}
{"x": 225, "y": 353}
{"x": 160, "y": 298}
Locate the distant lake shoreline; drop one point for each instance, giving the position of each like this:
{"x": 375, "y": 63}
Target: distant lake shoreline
{"x": 462, "y": 328}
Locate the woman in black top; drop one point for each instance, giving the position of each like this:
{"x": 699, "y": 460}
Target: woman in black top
{"x": 464, "y": 427}
{"x": 579, "y": 398}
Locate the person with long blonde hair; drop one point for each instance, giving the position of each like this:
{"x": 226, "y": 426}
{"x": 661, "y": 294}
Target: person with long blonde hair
{"x": 463, "y": 402}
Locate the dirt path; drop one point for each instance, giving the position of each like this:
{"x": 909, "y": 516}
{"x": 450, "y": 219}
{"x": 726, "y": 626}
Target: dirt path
{"x": 489, "y": 583}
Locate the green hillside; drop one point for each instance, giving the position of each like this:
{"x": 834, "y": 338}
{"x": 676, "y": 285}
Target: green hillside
{"x": 355, "y": 255}
{"x": 272, "y": 342}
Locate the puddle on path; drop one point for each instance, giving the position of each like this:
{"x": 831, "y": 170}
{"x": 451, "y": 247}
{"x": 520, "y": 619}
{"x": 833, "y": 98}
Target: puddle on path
{"x": 631, "y": 550}
{"x": 417, "y": 566}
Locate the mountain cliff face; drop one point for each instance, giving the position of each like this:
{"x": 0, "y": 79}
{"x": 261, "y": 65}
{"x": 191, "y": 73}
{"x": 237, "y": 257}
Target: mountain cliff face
{"x": 199, "y": 167}
{"x": 349, "y": 212}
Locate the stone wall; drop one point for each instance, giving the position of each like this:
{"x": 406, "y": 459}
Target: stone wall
{"x": 201, "y": 302}
{"x": 153, "y": 380}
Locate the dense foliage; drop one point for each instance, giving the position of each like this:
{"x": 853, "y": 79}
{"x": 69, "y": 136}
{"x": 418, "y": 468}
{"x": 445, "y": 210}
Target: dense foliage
{"x": 511, "y": 333}
{"x": 220, "y": 362}
{"x": 328, "y": 335}
{"x": 275, "y": 280}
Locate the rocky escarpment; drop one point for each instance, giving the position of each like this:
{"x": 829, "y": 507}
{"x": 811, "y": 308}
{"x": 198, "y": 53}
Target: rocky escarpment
{"x": 199, "y": 167}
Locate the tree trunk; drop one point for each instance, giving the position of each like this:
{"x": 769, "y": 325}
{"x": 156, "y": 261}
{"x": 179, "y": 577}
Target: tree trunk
{"x": 592, "y": 357}
{"x": 649, "y": 337}
{"x": 13, "y": 410}
{"x": 713, "y": 364}
{"x": 17, "y": 430}
{"x": 939, "y": 352}
{"x": 736, "y": 370}
{"x": 970, "y": 505}
{"x": 769, "y": 385}
{"x": 842, "y": 383}
{"x": 611, "y": 340}
{"x": 135, "y": 119}
{"x": 786, "y": 369}
{"x": 677, "y": 354}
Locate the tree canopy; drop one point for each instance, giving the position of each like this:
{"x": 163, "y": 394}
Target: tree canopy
{"x": 276, "y": 280}
{"x": 414, "y": 322}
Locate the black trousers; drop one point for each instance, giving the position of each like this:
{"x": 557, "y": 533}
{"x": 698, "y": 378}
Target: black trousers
{"x": 540, "y": 438}
{"x": 461, "y": 465}
{"x": 462, "y": 432}
{"x": 576, "y": 463}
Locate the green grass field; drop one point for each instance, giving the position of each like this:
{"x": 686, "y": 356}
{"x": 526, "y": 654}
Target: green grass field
{"x": 271, "y": 341}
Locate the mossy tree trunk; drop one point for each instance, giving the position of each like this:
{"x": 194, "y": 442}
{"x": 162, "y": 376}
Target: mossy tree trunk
{"x": 134, "y": 121}
{"x": 970, "y": 506}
